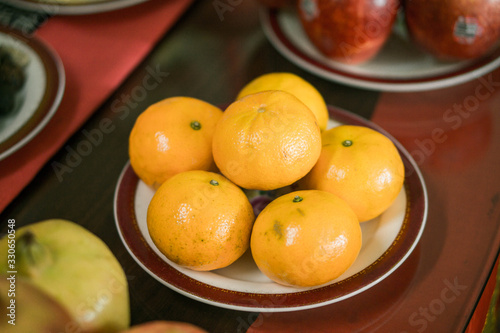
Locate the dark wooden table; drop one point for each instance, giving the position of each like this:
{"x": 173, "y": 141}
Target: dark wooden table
{"x": 210, "y": 58}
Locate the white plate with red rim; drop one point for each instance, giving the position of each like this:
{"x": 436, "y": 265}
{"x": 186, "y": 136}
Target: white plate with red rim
{"x": 387, "y": 241}
{"x": 72, "y": 7}
{"x": 399, "y": 66}
{"x": 40, "y": 96}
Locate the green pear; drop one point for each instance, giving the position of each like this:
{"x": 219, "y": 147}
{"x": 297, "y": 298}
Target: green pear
{"x": 26, "y": 308}
{"x": 76, "y": 268}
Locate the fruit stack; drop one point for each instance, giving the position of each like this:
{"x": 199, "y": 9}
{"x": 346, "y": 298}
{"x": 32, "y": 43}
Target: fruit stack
{"x": 274, "y": 136}
{"x": 354, "y": 31}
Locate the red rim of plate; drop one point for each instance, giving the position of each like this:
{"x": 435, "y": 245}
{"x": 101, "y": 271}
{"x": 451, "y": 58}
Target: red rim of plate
{"x": 51, "y": 99}
{"x": 396, "y": 254}
{"x": 81, "y": 7}
{"x": 274, "y": 32}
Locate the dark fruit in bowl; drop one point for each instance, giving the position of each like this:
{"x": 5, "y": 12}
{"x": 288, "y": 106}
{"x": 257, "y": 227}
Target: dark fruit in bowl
{"x": 348, "y": 31}
{"x": 454, "y": 29}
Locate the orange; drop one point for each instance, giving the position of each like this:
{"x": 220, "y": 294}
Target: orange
{"x": 294, "y": 85}
{"x": 200, "y": 220}
{"x": 266, "y": 140}
{"x": 305, "y": 238}
{"x": 360, "y": 165}
{"x": 172, "y": 136}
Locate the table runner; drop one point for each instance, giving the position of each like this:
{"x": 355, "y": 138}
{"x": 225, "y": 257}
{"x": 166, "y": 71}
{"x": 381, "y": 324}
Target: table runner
{"x": 98, "y": 52}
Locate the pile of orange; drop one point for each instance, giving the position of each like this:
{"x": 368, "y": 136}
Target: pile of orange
{"x": 273, "y": 136}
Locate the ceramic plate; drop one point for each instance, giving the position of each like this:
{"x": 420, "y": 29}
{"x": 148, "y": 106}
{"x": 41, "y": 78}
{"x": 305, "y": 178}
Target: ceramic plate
{"x": 40, "y": 96}
{"x": 72, "y": 7}
{"x": 399, "y": 66}
{"x": 387, "y": 241}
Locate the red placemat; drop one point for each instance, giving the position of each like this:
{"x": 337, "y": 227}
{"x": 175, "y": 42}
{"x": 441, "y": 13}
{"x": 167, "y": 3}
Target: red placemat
{"x": 98, "y": 52}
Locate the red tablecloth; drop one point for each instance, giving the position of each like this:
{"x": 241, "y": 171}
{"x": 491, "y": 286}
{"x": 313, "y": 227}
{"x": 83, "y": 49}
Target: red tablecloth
{"x": 98, "y": 52}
